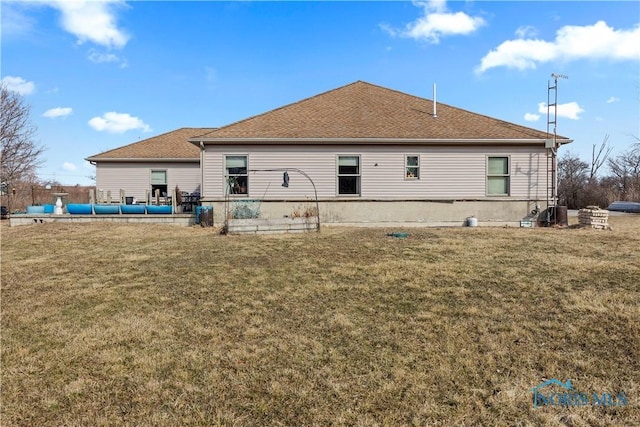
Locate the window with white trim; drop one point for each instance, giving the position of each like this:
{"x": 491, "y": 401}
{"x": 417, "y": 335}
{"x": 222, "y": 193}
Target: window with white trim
{"x": 159, "y": 182}
{"x": 349, "y": 175}
{"x": 498, "y": 176}
{"x": 236, "y": 174}
{"x": 412, "y": 167}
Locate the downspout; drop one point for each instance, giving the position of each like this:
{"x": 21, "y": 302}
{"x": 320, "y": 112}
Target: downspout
{"x": 201, "y": 169}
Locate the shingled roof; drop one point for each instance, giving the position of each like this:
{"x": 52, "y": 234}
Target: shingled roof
{"x": 172, "y": 145}
{"x": 362, "y": 111}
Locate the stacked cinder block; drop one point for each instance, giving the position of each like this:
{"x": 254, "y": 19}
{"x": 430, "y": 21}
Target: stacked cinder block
{"x": 594, "y": 217}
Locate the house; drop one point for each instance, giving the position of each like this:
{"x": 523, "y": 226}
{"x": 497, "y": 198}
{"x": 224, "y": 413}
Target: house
{"x": 161, "y": 162}
{"x": 376, "y": 155}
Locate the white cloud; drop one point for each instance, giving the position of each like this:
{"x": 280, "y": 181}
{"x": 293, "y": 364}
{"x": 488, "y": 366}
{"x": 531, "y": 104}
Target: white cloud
{"x": 14, "y": 21}
{"x": 57, "y": 112}
{"x": 598, "y": 41}
{"x": 612, "y": 100}
{"x": 93, "y": 21}
{"x": 388, "y": 29}
{"x": 69, "y": 166}
{"x": 526, "y": 31}
{"x": 18, "y": 84}
{"x": 520, "y": 54}
{"x": 437, "y": 22}
{"x": 433, "y": 5}
{"x": 113, "y": 122}
{"x": 530, "y": 117}
{"x": 570, "y": 110}
{"x": 101, "y": 57}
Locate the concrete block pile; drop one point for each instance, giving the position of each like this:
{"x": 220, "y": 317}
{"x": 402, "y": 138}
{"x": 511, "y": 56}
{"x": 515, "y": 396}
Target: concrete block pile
{"x": 594, "y": 217}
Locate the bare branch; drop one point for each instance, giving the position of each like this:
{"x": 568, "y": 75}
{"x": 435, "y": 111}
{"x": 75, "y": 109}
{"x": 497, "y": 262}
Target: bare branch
{"x": 598, "y": 159}
{"x": 20, "y": 156}
{"x": 626, "y": 169}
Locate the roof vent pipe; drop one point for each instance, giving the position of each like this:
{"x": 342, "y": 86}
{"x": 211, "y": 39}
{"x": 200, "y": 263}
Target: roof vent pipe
{"x": 435, "y": 113}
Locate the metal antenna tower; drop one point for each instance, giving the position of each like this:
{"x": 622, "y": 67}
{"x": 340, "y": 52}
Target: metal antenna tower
{"x": 552, "y": 148}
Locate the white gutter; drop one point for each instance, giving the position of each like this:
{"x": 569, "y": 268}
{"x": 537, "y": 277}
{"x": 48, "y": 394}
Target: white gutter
{"x": 365, "y": 141}
{"x": 144, "y": 160}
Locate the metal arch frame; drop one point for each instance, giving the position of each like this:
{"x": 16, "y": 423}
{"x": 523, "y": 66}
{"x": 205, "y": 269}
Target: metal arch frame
{"x": 301, "y": 172}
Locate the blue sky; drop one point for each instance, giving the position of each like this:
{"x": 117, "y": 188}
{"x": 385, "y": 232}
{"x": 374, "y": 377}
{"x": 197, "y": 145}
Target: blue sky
{"x": 99, "y": 75}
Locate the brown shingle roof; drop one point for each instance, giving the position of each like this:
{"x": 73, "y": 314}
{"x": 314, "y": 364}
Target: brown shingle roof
{"x": 170, "y": 145}
{"x": 363, "y": 110}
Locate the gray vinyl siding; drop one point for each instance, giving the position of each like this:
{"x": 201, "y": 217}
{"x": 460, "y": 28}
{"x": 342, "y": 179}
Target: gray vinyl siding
{"x": 446, "y": 173}
{"x": 135, "y": 178}
{"x": 316, "y": 162}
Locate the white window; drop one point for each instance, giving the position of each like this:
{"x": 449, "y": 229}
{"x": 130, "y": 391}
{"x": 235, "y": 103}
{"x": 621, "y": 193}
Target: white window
{"x": 498, "y": 183}
{"x": 236, "y": 174}
{"x": 159, "y": 182}
{"x": 412, "y": 167}
{"x": 349, "y": 175}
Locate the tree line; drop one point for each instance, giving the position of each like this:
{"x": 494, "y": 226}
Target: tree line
{"x": 20, "y": 157}
{"x": 20, "y": 154}
{"x": 582, "y": 183}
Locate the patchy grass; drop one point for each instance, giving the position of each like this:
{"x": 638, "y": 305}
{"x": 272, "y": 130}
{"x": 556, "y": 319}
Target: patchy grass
{"x": 158, "y": 325}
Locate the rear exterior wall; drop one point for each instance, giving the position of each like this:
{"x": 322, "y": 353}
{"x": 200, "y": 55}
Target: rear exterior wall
{"x": 446, "y": 172}
{"x": 135, "y": 178}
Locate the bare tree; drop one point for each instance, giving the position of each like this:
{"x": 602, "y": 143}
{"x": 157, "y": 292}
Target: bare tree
{"x": 20, "y": 155}
{"x": 598, "y": 159}
{"x": 572, "y": 179}
{"x": 626, "y": 169}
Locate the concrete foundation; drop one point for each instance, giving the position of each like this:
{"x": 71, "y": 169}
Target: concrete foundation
{"x": 175, "y": 219}
{"x": 362, "y": 213}
{"x": 406, "y": 213}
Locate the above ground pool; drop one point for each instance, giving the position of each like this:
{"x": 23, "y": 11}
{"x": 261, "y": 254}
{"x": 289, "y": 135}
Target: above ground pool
{"x": 106, "y": 209}
{"x": 79, "y": 208}
{"x": 164, "y": 209}
{"x": 35, "y": 209}
{"x": 132, "y": 209}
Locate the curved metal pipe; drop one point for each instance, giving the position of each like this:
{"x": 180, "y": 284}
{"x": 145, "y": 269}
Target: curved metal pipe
{"x": 301, "y": 172}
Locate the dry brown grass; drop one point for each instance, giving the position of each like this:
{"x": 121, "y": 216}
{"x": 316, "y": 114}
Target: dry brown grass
{"x": 158, "y": 325}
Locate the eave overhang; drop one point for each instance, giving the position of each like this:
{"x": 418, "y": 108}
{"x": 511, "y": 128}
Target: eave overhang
{"x": 372, "y": 141}
{"x": 143, "y": 160}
